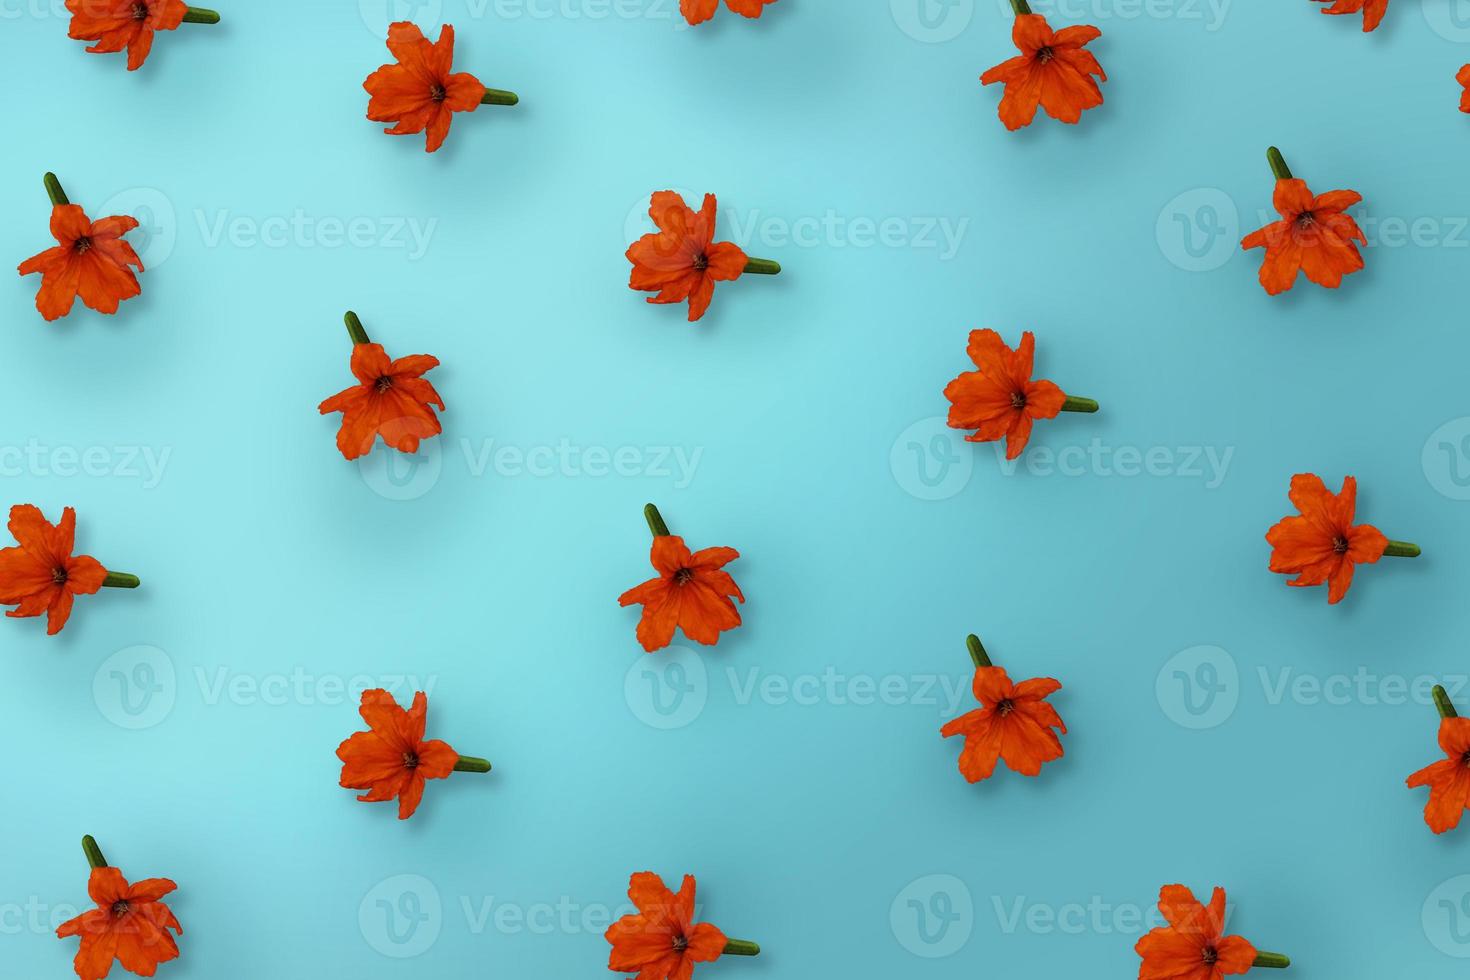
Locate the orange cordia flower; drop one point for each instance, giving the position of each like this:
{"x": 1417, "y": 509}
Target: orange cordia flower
{"x": 1315, "y": 234}
{"x": 682, "y": 261}
{"x": 419, "y": 93}
{"x": 661, "y": 941}
{"x": 691, "y": 591}
{"x": 42, "y": 575}
{"x": 392, "y": 759}
{"x": 1054, "y": 71}
{"x": 1323, "y": 544}
{"x": 699, "y": 11}
{"x": 1449, "y": 779}
{"x": 1193, "y": 946}
{"x": 1000, "y": 400}
{"x": 1463, "y": 77}
{"x": 391, "y": 399}
{"x": 118, "y": 24}
{"x": 1373, "y": 10}
{"x": 91, "y": 260}
{"x": 130, "y": 925}
{"x": 1014, "y": 723}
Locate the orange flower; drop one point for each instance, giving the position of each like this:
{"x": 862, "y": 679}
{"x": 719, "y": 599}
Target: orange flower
{"x": 699, "y": 11}
{"x": 1449, "y": 779}
{"x": 391, "y": 399}
{"x": 691, "y": 592}
{"x": 419, "y": 93}
{"x": 661, "y": 942}
{"x": 392, "y": 759}
{"x": 42, "y": 575}
{"x": 1000, "y": 400}
{"x": 91, "y": 260}
{"x": 130, "y": 925}
{"x": 1463, "y": 77}
{"x": 1193, "y": 946}
{"x": 1323, "y": 544}
{"x": 682, "y": 260}
{"x": 1315, "y": 235}
{"x": 1014, "y": 723}
{"x": 1373, "y": 10}
{"x": 1053, "y": 71}
{"x": 118, "y": 24}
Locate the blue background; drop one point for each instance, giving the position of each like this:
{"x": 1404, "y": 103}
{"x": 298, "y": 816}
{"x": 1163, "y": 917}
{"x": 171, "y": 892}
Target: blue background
{"x": 810, "y": 821}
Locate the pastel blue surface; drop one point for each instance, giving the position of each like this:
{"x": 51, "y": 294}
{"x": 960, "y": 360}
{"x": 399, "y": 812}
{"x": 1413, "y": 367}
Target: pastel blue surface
{"x": 1225, "y": 729}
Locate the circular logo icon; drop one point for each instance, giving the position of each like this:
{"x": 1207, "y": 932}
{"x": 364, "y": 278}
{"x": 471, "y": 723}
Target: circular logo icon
{"x": 667, "y": 690}
{"x": 933, "y": 916}
{"x": 1446, "y": 459}
{"x": 403, "y": 476}
{"x": 638, "y": 223}
{"x": 1199, "y": 688}
{"x": 158, "y": 226}
{"x": 1446, "y": 917}
{"x": 379, "y": 14}
{"x": 1199, "y": 230}
{"x": 933, "y": 21}
{"x": 136, "y": 688}
{"x": 930, "y": 460}
{"x": 1450, "y": 19}
{"x": 402, "y": 916}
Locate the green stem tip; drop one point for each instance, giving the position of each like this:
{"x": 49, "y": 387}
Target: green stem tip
{"x": 499, "y": 96}
{"x": 1443, "y": 703}
{"x": 199, "y": 15}
{"x": 469, "y": 763}
{"x": 93, "y": 852}
{"x": 121, "y": 580}
{"x": 762, "y": 267}
{"x": 977, "y": 651}
{"x": 1278, "y": 164}
{"x": 742, "y": 947}
{"x": 54, "y": 191}
{"x": 1087, "y": 405}
{"x": 355, "y": 329}
{"x": 1273, "y": 960}
{"x": 656, "y": 521}
{"x": 1020, "y": 7}
{"x": 1402, "y": 549}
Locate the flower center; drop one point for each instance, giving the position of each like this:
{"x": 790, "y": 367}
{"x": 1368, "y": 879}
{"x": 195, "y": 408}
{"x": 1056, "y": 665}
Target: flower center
{"x": 438, "y": 94}
{"x": 83, "y": 244}
{"x": 140, "y": 11}
{"x": 384, "y": 383}
{"x": 1018, "y": 399}
{"x": 1045, "y": 54}
{"x": 58, "y": 575}
{"x": 683, "y": 576}
{"x": 1340, "y": 545}
{"x": 1306, "y": 220}
{"x": 1211, "y": 954}
{"x": 701, "y": 262}
{"x": 120, "y": 909}
{"x": 1465, "y": 759}
{"x": 410, "y": 760}
{"x": 1005, "y": 707}
{"x": 681, "y": 943}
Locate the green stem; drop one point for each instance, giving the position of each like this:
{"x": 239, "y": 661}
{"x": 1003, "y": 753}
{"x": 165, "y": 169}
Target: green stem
{"x": 742, "y": 947}
{"x": 93, "y": 852}
{"x": 1021, "y": 7}
{"x": 656, "y": 522}
{"x": 1443, "y": 703}
{"x": 1402, "y": 549}
{"x": 1079, "y": 405}
{"x": 1278, "y": 164}
{"x": 53, "y": 189}
{"x": 977, "y": 651}
{"x": 199, "y": 15}
{"x": 498, "y": 96}
{"x": 121, "y": 580}
{"x": 1274, "y": 960}
{"x": 355, "y": 330}
{"x": 762, "y": 267}
{"x": 469, "y": 763}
